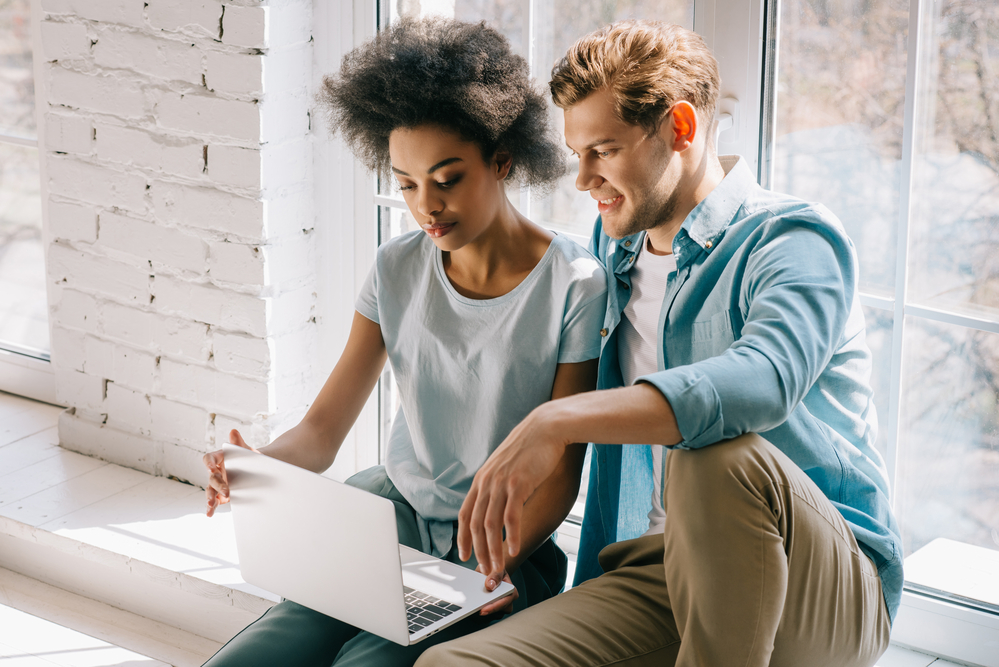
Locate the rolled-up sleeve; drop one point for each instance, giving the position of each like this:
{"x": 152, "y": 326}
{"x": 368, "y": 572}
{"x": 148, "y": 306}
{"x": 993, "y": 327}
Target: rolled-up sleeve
{"x": 796, "y": 290}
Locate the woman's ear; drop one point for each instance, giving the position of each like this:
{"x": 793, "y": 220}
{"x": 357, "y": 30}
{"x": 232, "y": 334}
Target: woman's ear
{"x": 503, "y": 162}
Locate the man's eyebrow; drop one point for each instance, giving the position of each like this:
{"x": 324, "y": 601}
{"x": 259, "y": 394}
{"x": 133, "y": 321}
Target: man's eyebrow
{"x": 593, "y": 144}
{"x": 442, "y": 163}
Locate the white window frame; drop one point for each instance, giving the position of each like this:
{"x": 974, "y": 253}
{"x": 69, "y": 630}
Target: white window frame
{"x": 24, "y": 371}
{"x": 743, "y": 36}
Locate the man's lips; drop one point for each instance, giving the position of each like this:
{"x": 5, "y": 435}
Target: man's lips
{"x": 609, "y": 204}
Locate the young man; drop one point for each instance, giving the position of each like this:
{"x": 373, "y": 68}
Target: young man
{"x": 733, "y": 343}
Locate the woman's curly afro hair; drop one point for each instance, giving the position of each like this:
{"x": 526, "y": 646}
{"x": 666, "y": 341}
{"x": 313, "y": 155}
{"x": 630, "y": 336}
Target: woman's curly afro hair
{"x": 460, "y": 76}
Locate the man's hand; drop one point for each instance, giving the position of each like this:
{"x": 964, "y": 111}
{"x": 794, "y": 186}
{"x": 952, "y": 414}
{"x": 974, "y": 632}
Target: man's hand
{"x": 505, "y": 604}
{"x": 501, "y": 487}
{"x": 218, "y": 484}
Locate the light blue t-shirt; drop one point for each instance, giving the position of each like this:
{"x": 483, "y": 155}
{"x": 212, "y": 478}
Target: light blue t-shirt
{"x": 469, "y": 370}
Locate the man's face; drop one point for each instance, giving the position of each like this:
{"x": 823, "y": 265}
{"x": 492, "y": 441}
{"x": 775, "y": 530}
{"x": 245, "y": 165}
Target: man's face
{"x": 632, "y": 176}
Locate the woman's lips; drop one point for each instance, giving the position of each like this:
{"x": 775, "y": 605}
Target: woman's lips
{"x": 438, "y": 229}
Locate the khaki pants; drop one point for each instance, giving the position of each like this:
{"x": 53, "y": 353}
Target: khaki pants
{"x": 755, "y": 568}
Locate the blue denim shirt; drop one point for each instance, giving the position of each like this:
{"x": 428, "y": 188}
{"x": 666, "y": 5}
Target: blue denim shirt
{"x": 762, "y": 332}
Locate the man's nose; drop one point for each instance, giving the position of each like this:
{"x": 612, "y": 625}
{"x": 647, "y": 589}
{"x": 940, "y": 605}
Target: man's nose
{"x": 588, "y": 178}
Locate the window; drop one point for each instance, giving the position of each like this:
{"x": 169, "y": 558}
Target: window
{"x": 888, "y": 113}
{"x": 24, "y": 332}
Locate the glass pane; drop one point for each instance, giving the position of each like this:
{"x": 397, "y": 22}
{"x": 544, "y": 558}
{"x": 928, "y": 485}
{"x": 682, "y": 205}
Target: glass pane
{"x": 949, "y": 443}
{"x": 879, "y": 331}
{"x": 17, "y": 84}
{"x": 840, "y": 110}
{"x": 955, "y": 228}
{"x": 558, "y": 25}
{"x": 23, "y": 306}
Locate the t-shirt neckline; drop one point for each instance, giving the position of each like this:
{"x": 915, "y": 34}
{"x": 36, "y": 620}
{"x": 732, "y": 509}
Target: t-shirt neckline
{"x": 495, "y": 301}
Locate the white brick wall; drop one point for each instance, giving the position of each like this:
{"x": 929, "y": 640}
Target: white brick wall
{"x": 179, "y": 171}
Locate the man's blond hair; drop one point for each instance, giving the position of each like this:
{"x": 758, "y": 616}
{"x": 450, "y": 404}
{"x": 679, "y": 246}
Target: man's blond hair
{"x": 647, "y": 66}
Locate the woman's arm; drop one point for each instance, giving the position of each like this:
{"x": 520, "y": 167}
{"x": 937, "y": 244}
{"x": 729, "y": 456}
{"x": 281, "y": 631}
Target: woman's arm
{"x": 315, "y": 441}
{"x": 545, "y": 510}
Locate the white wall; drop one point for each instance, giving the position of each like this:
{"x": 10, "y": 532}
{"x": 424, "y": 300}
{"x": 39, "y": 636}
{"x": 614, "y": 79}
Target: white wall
{"x": 180, "y": 224}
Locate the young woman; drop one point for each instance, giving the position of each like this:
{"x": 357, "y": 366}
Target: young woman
{"x": 482, "y": 314}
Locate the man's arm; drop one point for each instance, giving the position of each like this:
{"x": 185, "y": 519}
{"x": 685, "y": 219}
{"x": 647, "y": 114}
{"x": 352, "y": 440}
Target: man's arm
{"x": 533, "y": 450}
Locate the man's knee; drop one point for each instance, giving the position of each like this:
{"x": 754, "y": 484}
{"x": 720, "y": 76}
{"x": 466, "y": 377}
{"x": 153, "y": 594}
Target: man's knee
{"x": 690, "y": 470}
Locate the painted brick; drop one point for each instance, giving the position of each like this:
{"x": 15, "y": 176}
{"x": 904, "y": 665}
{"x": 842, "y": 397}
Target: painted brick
{"x": 197, "y": 16}
{"x": 209, "y": 304}
{"x": 288, "y": 214}
{"x": 69, "y": 350}
{"x": 73, "y": 222}
{"x": 246, "y": 355}
{"x": 254, "y": 434}
{"x": 245, "y": 26}
{"x": 177, "y": 422}
{"x": 97, "y": 274}
{"x": 288, "y": 69}
{"x": 77, "y": 311}
{"x": 114, "y": 94}
{"x": 207, "y": 208}
{"x": 185, "y": 463}
{"x": 284, "y": 117}
{"x": 289, "y": 24}
{"x": 80, "y": 390}
{"x": 98, "y": 357}
{"x": 61, "y": 41}
{"x": 214, "y": 390}
{"x": 156, "y": 243}
{"x": 128, "y": 410}
{"x": 235, "y": 73}
{"x": 209, "y": 116}
{"x": 134, "y": 369}
{"x": 110, "y": 444}
{"x": 288, "y": 260}
{"x": 237, "y": 263}
{"x": 235, "y": 166}
{"x": 271, "y": 168}
{"x": 153, "y": 56}
{"x": 180, "y": 157}
{"x": 68, "y": 134}
{"x": 292, "y": 310}
{"x": 182, "y": 338}
{"x": 128, "y": 324}
{"x": 74, "y": 179}
{"x": 127, "y": 12}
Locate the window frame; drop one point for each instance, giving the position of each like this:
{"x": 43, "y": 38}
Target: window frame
{"x": 745, "y": 38}
{"x": 23, "y": 371}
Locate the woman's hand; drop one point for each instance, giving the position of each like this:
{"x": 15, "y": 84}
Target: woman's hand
{"x": 218, "y": 484}
{"x": 505, "y": 604}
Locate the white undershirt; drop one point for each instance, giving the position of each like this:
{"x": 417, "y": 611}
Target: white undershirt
{"x": 639, "y": 345}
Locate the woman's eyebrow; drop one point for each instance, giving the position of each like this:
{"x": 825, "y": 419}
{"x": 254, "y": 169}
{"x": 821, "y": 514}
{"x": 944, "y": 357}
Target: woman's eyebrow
{"x": 442, "y": 163}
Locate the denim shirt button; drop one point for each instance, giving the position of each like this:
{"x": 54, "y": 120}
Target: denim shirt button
{"x": 603, "y": 332}
{"x": 708, "y": 244}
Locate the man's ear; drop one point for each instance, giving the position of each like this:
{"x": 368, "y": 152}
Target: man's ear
{"x": 503, "y": 161}
{"x": 680, "y": 126}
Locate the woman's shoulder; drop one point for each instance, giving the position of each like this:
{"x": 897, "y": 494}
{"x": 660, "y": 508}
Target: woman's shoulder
{"x": 577, "y": 262}
{"x": 414, "y": 246}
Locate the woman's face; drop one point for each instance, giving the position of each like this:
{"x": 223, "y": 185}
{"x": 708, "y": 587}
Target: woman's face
{"x": 451, "y": 191}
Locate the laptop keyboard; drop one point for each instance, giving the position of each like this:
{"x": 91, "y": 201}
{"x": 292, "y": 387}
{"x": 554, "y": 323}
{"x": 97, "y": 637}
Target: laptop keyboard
{"x": 423, "y": 609}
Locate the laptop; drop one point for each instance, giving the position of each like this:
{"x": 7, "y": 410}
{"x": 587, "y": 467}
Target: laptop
{"x": 335, "y": 549}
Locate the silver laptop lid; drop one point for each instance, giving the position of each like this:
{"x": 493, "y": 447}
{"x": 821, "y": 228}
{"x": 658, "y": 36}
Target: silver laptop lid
{"x": 350, "y": 569}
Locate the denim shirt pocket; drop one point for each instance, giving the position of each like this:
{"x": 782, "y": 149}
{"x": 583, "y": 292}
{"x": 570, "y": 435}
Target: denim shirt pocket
{"x": 712, "y": 336}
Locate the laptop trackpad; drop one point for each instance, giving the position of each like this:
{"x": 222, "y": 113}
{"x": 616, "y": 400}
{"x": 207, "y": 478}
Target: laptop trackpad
{"x": 447, "y": 581}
